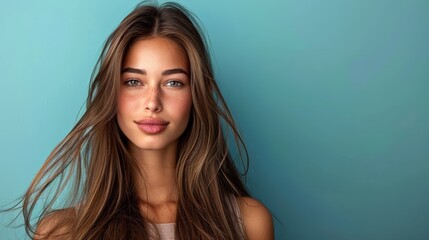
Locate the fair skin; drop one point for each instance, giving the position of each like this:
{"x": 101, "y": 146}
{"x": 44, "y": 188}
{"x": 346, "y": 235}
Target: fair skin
{"x": 155, "y": 85}
{"x": 154, "y": 105}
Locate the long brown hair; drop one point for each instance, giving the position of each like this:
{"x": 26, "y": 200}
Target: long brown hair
{"x": 94, "y": 165}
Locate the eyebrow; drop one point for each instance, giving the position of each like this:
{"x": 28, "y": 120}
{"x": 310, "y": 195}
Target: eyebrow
{"x": 165, "y": 72}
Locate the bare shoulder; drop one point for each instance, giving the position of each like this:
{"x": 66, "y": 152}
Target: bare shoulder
{"x": 257, "y": 219}
{"x": 56, "y": 225}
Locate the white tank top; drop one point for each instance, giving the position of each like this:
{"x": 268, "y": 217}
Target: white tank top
{"x": 166, "y": 230}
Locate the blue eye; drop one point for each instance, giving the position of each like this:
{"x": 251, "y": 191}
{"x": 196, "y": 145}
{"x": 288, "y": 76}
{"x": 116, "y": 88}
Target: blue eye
{"x": 132, "y": 83}
{"x": 174, "y": 83}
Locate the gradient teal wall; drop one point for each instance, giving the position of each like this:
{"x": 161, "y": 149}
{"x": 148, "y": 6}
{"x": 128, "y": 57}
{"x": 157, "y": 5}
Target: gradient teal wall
{"x": 331, "y": 97}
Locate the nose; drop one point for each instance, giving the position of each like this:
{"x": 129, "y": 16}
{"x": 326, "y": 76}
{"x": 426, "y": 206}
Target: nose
{"x": 153, "y": 100}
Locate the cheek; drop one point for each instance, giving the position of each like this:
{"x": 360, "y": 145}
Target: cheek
{"x": 126, "y": 103}
{"x": 120, "y": 115}
{"x": 179, "y": 107}
{"x": 121, "y": 109}
{"x": 125, "y": 112}
{"x": 184, "y": 106}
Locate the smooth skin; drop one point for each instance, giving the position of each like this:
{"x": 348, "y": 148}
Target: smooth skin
{"x": 155, "y": 84}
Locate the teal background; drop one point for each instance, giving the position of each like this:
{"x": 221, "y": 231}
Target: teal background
{"x": 331, "y": 97}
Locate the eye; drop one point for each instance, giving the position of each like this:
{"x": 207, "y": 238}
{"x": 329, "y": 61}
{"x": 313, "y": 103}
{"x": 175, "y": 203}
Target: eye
{"x": 133, "y": 83}
{"x": 174, "y": 83}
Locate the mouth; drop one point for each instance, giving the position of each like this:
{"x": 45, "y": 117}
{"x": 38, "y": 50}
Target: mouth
{"x": 152, "y": 125}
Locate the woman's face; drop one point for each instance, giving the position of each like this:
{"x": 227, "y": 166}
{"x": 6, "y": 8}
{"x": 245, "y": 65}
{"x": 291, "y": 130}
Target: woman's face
{"x": 155, "y": 94}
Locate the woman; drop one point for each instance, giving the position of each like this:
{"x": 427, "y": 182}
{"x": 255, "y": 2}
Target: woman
{"x": 148, "y": 159}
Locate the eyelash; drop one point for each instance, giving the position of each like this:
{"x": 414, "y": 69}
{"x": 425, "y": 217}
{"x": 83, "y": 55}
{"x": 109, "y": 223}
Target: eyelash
{"x": 135, "y": 83}
{"x": 132, "y": 83}
{"x": 177, "y": 83}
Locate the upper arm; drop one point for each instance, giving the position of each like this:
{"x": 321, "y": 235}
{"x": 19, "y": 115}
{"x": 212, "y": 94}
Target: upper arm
{"x": 56, "y": 225}
{"x": 257, "y": 220}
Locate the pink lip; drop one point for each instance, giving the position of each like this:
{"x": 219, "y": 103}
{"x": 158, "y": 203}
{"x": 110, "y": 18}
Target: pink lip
{"x": 152, "y": 125}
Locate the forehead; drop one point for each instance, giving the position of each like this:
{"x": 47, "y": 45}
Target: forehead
{"x": 155, "y": 53}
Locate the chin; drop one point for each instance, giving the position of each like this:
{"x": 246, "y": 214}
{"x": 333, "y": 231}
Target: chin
{"x": 153, "y": 145}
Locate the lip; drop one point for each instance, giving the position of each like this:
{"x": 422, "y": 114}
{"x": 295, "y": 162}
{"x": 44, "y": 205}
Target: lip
{"x": 152, "y": 125}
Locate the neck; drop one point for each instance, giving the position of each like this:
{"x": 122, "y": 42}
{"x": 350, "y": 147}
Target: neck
{"x": 156, "y": 175}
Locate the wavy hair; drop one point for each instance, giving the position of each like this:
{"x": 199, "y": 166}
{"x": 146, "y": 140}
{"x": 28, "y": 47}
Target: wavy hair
{"x": 94, "y": 166}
